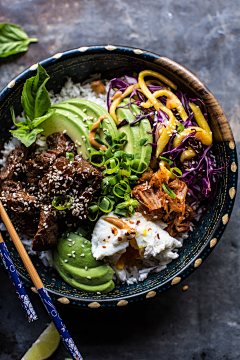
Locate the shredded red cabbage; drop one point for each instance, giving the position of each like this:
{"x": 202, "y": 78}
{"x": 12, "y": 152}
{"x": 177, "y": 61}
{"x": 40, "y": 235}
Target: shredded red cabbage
{"x": 131, "y": 80}
{"x": 122, "y": 123}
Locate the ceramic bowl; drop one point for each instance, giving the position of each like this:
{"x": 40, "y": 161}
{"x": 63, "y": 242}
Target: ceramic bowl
{"x": 113, "y": 61}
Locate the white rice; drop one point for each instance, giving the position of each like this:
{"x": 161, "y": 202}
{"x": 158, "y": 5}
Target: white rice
{"x": 129, "y": 275}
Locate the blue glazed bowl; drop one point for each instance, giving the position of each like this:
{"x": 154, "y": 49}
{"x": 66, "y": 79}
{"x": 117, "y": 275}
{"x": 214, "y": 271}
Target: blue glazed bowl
{"x": 113, "y": 61}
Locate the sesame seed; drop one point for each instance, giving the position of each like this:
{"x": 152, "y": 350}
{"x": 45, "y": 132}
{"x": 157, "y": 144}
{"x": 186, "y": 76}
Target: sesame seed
{"x": 69, "y": 245}
{"x": 85, "y": 242}
{"x": 69, "y": 254}
{"x": 98, "y": 292}
{"x": 82, "y": 255}
{"x": 73, "y": 255}
{"x": 86, "y": 267}
{"x": 66, "y": 261}
{"x": 89, "y": 277}
{"x": 64, "y": 131}
{"x": 82, "y": 246}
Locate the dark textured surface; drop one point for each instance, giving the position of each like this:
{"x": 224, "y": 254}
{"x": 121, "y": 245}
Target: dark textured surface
{"x": 203, "y": 322}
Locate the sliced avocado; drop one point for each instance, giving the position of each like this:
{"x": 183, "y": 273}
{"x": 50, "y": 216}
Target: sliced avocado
{"x": 93, "y": 112}
{"x": 65, "y": 120}
{"x": 133, "y": 133}
{"x": 79, "y": 268}
{"x": 75, "y": 111}
{"x": 144, "y": 126}
{"x": 136, "y": 132}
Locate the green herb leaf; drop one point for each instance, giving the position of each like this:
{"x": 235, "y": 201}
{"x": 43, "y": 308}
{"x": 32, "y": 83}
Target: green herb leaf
{"x": 39, "y": 120}
{"x": 129, "y": 206}
{"x": 36, "y": 103}
{"x": 62, "y": 202}
{"x": 70, "y": 156}
{"x": 35, "y": 98}
{"x": 143, "y": 141}
{"x": 180, "y": 128}
{"x": 13, "y": 40}
{"x": 27, "y": 138}
{"x": 23, "y": 124}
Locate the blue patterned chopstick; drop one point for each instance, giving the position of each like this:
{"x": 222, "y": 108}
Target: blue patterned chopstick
{"x": 52, "y": 311}
{"x": 21, "y": 293}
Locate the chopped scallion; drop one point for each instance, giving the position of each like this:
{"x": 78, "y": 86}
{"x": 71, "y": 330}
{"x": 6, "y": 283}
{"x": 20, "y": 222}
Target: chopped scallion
{"x": 169, "y": 191}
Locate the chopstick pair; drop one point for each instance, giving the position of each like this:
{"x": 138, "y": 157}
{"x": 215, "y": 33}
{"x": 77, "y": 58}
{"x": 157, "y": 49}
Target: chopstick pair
{"x": 47, "y": 302}
{"x": 17, "y": 283}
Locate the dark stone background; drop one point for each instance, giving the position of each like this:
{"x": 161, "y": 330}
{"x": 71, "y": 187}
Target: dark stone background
{"x": 204, "y": 36}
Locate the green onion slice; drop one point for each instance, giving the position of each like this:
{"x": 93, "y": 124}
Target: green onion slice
{"x": 113, "y": 164}
{"x": 121, "y": 189}
{"x": 170, "y": 162}
{"x": 180, "y": 128}
{"x": 105, "y": 204}
{"x": 138, "y": 166}
{"x": 133, "y": 178}
{"x": 93, "y": 209}
{"x": 109, "y": 153}
{"x": 70, "y": 156}
{"x": 169, "y": 191}
{"x": 97, "y": 154}
{"x": 99, "y": 141}
{"x": 65, "y": 200}
{"x": 143, "y": 141}
{"x": 176, "y": 172}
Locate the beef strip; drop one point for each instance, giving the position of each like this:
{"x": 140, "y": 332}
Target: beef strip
{"x": 15, "y": 163}
{"x": 57, "y": 180}
{"x": 37, "y": 166}
{"x": 47, "y": 234}
{"x": 17, "y": 200}
{"x": 59, "y": 145}
{"x": 24, "y": 223}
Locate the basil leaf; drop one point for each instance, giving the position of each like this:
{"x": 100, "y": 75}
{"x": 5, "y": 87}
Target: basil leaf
{"x": 23, "y": 125}
{"x": 27, "y": 138}
{"x": 143, "y": 141}
{"x": 13, "y": 40}
{"x": 35, "y": 98}
{"x": 39, "y": 120}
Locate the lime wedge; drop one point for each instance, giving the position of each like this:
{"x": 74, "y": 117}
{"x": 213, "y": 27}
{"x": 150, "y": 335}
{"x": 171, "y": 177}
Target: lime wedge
{"x": 45, "y": 345}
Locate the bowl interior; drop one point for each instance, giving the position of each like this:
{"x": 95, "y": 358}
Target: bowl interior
{"x": 80, "y": 66}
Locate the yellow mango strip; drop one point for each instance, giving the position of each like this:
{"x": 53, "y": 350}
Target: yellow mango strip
{"x": 145, "y": 89}
{"x": 187, "y": 154}
{"x": 201, "y": 134}
{"x": 164, "y": 168}
{"x": 200, "y": 119}
{"x": 166, "y": 133}
{"x": 117, "y": 98}
{"x": 172, "y": 102}
{"x": 154, "y": 82}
